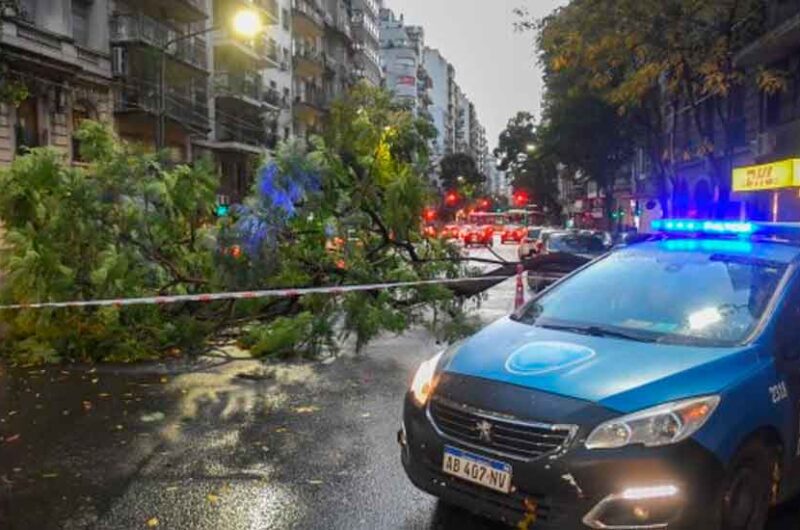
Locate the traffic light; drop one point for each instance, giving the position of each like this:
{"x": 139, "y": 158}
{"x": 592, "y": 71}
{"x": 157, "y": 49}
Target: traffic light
{"x": 223, "y": 207}
{"x": 484, "y": 204}
{"x": 451, "y": 198}
{"x": 521, "y": 198}
{"x": 429, "y": 214}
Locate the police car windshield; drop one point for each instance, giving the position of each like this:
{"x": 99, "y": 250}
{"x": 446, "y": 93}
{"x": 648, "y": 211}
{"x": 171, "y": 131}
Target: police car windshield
{"x": 668, "y": 297}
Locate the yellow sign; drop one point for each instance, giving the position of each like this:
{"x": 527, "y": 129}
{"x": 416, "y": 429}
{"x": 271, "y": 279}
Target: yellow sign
{"x": 783, "y": 174}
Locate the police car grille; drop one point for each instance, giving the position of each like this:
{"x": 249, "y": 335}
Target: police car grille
{"x": 506, "y": 436}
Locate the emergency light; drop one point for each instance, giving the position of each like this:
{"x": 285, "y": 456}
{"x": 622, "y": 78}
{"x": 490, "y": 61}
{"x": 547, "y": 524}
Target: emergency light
{"x": 740, "y": 229}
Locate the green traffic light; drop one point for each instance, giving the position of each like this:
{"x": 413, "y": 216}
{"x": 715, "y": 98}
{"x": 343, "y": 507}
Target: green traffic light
{"x": 222, "y": 210}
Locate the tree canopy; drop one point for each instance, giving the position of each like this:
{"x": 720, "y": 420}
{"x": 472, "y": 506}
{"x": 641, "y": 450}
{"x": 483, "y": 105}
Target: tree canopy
{"x": 652, "y": 61}
{"x": 343, "y": 209}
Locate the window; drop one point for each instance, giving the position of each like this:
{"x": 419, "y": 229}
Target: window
{"x": 80, "y": 22}
{"x": 285, "y": 17}
{"x": 81, "y": 112}
{"x": 27, "y": 126}
{"x": 772, "y": 109}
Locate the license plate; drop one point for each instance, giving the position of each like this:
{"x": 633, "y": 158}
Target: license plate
{"x": 492, "y": 474}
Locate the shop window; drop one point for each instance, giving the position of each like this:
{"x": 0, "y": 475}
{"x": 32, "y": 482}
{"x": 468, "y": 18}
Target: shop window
{"x": 27, "y": 126}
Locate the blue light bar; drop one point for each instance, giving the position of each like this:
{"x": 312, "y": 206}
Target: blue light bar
{"x": 692, "y": 226}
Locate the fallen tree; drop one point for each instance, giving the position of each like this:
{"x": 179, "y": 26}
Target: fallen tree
{"x": 344, "y": 209}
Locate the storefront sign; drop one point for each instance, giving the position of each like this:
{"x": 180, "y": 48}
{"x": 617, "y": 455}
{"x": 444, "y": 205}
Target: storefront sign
{"x": 783, "y": 174}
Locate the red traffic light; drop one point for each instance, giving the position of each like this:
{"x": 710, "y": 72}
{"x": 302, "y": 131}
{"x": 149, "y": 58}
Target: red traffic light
{"x": 521, "y": 198}
{"x": 451, "y": 198}
{"x": 429, "y": 214}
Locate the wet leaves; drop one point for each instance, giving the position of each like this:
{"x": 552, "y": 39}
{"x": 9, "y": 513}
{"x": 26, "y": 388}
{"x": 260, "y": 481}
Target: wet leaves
{"x": 152, "y": 522}
{"x": 212, "y": 499}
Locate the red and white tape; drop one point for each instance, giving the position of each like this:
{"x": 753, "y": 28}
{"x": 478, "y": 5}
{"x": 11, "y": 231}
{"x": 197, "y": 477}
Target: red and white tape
{"x": 246, "y": 295}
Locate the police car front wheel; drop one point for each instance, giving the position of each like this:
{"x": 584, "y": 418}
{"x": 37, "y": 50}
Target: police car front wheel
{"x": 747, "y": 489}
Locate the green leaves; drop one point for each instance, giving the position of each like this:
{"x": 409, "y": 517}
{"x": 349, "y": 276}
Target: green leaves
{"x": 120, "y": 226}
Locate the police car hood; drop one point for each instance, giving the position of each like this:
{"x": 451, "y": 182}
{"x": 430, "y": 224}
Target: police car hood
{"x": 619, "y": 374}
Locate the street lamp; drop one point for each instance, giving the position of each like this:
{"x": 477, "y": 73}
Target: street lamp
{"x": 246, "y": 23}
{"x": 530, "y": 148}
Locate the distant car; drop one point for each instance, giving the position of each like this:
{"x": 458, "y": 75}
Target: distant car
{"x": 512, "y": 233}
{"x": 478, "y": 235}
{"x": 450, "y": 232}
{"x": 563, "y": 252}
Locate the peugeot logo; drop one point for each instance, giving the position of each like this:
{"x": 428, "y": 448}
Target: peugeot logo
{"x": 484, "y": 431}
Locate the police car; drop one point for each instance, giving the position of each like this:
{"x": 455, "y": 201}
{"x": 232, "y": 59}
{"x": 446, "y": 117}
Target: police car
{"x": 656, "y": 387}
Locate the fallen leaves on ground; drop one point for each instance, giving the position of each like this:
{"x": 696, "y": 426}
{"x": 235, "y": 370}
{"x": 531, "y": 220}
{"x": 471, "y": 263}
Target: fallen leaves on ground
{"x": 315, "y": 482}
{"x": 49, "y": 475}
{"x": 307, "y": 409}
{"x": 212, "y": 499}
{"x": 13, "y": 438}
{"x": 152, "y": 522}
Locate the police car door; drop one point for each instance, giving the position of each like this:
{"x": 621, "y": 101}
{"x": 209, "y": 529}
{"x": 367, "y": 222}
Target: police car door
{"x": 787, "y": 357}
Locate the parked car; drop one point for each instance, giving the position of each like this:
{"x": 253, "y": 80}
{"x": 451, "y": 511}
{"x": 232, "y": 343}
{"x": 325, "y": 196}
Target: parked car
{"x": 532, "y": 241}
{"x": 562, "y": 252}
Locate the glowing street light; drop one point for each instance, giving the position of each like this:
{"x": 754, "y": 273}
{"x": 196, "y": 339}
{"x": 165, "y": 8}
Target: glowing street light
{"x": 247, "y": 23}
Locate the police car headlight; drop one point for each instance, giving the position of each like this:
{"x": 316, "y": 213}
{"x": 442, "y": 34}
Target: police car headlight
{"x": 662, "y": 425}
{"x": 425, "y": 380}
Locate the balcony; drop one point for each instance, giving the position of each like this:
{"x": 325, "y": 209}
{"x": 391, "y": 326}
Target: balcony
{"x": 341, "y": 23}
{"x": 179, "y": 10}
{"x": 141, "y": 29}
{"x": 239, "y": 87}
{"x": 274, "y": 99}
{"x": 308, "y": 19}
{"x": 229, "y": 48}
{"x": 361, "y": 22}
{"x": 270, "y": 7}
{"x": 308, "y": 62}
{"x": 183, "y": 105}
{"x": 243, "y": 134}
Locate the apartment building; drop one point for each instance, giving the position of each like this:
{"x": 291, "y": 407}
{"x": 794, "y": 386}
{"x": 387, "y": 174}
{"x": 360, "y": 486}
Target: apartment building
{"x": 462, "y": 121}
{"x": 278, "y": 81}
{"x": 339, "y": 51}
{"x": 308, "y": 33}
{"x": 762, "y": 131}
{"x": 402, "y": 56}
{"x": 60, "y": 52}
{"x": 442, "y": 93}
{"x": 366, "y": 39}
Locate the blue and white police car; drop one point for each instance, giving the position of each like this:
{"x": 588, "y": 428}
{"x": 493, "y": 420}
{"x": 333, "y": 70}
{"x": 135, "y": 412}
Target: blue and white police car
{"x": 657, "y": 387}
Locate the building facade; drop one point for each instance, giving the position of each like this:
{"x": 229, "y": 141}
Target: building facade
{"x": 442, "y": 94}
{"x": 402, "y": 57}
{"x": 365, "y": 21}
{"x": 48, "y": 48}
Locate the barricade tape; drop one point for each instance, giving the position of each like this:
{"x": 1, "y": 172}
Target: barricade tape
{"x": 246, "y": 295}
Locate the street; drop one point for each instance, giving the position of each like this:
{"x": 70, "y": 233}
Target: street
{"x": 224, "y": 444}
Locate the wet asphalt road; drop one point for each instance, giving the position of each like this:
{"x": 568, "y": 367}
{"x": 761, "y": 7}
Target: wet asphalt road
{"x": 226, "y": 444}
